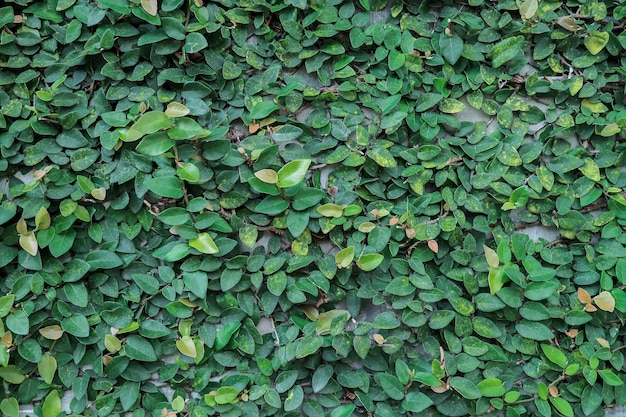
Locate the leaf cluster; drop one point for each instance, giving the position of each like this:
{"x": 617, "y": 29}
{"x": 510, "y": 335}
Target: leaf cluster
{"x": 285, "y": 208}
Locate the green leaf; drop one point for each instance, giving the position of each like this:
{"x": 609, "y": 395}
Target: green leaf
{"x": 534, "y": 330}
{"x": 103, "y": 259}
{"x": 370, "y": 261}
{"x": 51, "y": 406}
{"x": 610, "y": 378}
{"x": 76, "y": 325}
{"x": 272, "y": 205}
{"x": 491, "y": 387}
{"x": 166, "y": 186}
{"x": 344, "y": 410}
{"x": 11, "y": 374}
{"x": 263, "y": 109}
{"x": 195, "y": 42}
{"x": 140, "y": 349}
{"x": 562, "y": 406}
{"x": 226, "y": 395}
{"x": 465, "y": 387}
{"x": 321, "y": 376}
{"x": 506, "y": 50}
{"x": 555, "y": 355}
{"x": 294, "y": 399}
{"x": 416, "y": 402}
{"x": 297, "y": 222}
{"x": 155, "y": 144}
{"x": 451, "y": 47}
{"x": 223, "y": 335}
{"x": 47, "y": 368}
{"x": 293, "y": 173}
{"x": 391, "y": 385}
{"x": 9, "y": 406}
{"x": 149, "y": 122}
{"x": 6, "y": 16}
{"x": 204, "y": 243}
{"x": 18, "y": 322}
{"x": 6, "y": 304}
{"x": 308, "y": 345}
{"x": 344, "y": 257}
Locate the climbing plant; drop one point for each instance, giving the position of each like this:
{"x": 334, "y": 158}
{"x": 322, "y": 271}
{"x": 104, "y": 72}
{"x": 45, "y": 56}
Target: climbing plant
{"x": 321, "y": 208}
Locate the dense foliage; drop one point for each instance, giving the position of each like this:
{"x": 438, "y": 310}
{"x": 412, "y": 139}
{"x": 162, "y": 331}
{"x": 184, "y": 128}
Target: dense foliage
{"x": 290, "y": 207}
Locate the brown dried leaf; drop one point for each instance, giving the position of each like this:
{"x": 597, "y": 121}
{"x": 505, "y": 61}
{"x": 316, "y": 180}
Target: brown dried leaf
{"x": 583, "y": 296}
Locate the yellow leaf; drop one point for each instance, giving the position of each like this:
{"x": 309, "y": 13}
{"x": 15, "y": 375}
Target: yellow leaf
{"x": 99, "y": 193}
{"x": 528, "y": 9}
{"x": 175, "y": 109}
{"x": 492, "y": 257}
{"x": 379, "y": 339}
{"x": 598, "y": 107}
{"x": 605, "y": 301}
{"x": 42, "y": 219}
{"x": 311, "y": 312}
{"x": 54, "y": 332}
{"x": 28, "y": 242}
{"x": 567, "y": 23}
{"x": 7, "y": 339}
{"x": 186, "y": 346}
{"x": 603, "y": 342}
{"x": 150, "y": 6}
{"x": 112, "y": 343}
{"x": 21, "y": 227}
{"x": 268, "y": 176}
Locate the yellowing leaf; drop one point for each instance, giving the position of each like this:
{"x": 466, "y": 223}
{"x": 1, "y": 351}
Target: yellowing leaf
{"x": 610, "y": 130}
{"x": 491, "y": 256}
{"x": 379, "y": 339}
{"x": 99, "y": 193}
{"x": 433, "y": 245}
{"x": 150, "y": 6}
{"x": 268, "y": 176}
{"x": 603, "y": 342}
{"x": 21, "y": 227}
{"x": 311, "y": 312}
{"x": 53, "y": 332}
{"x": 567, "y": 23}
{"x": 596, "y": 42}
{"x": 598, "y": 107}
{"x": 42, "y": 219}
{"x": 112, "y": 343}
{"x": 528, "y": 8}
{"x": 175, "y": 109}
{"x": 186, "y": 346}
{"x": 344, "y": 257}
{"x": 7, "y": 339}
{"x": 47, "y": 367}
{"x": 330, "y": 210}
{"x": 28, "y": 242}
{"x": 605, "y": 301}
